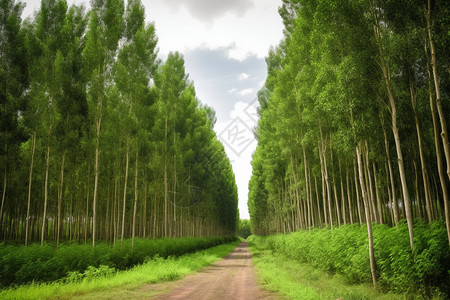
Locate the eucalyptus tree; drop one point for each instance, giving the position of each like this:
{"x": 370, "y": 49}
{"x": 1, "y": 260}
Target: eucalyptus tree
{"x": 135, "y": 67}
{"x": 171, "y": 81}
{"x": 13, "y": 82}
{"x": 46, "y": 81}
{"x": 102, "y": 38}
{"x": 85, "y": 101}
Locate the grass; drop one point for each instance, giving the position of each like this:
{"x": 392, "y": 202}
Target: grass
{"x": 108, "y": 283}
{"x": 295, "y": 280}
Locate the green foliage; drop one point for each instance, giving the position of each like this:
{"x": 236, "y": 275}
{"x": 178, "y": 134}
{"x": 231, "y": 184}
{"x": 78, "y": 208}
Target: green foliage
{"x": 86, "y": 108}
{"x": 244, "y": 230}
{"x": 344, "y": 251}
{"x": 299, "y": 280}
{"x": 109, "y": 284}
{"x": 19, "y": 264}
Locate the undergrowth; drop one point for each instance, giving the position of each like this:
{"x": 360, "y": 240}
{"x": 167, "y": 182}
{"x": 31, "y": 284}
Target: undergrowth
{"x": 36, "y": 263}
{"x": 423, "y": 272}
{"x": 109, "y": 282}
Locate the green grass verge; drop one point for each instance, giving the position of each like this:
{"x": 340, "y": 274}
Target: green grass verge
{"x": 104, "y": 279}
{"x": 295, "y": 280}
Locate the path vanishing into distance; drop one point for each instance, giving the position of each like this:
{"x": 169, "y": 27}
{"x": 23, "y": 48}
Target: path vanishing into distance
{"x": 231, "y": 278}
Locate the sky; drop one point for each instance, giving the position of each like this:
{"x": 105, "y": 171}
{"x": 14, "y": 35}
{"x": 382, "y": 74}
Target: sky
{"x": 224, "y": 43}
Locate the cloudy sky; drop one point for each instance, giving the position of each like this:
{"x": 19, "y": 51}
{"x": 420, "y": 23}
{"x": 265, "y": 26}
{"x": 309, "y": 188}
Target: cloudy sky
{"x": 224, "y": 43}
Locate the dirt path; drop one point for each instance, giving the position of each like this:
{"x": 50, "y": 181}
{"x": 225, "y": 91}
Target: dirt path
{"x": 231, "y": 278}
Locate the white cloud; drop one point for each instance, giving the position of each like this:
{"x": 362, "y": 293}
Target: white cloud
{"x": 179, "y": 29}
{"x": 209, "y": 10}
{"x": 245, "y": 92}
{"x": 243, "y": 76}
{"x": 232, "y": 91}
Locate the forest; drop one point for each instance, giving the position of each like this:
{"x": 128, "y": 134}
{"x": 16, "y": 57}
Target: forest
{"x": 100, "y": 139}
{"x": 353, "y": 129}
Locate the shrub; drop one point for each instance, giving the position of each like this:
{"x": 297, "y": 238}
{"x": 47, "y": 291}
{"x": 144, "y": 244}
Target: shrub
{"x": 20, "y": 265}
{"x": 424, "y": 271}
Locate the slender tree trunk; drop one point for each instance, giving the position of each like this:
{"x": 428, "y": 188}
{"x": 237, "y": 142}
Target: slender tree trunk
{"x": 350, "y": 212}
{"x": 60, "y": 196}
{"x": 444, "y": 133}
{"x": 440, "y": 162}
{"x": 30, "y": 179}
{"x": 125, "y": 192}
{"x": 416, "y": 188}
{"x": 144, "y": 213}
{"x": 325, "y": 168}
{"x": 336, "y": 201}
{"x": 318, "y": 201}
{"x": 94, "y": 201}
{"x": 135, "y": 199}
{"x": 3, "y": 200}
{"x": 344, "y": 214}
{"x": 86, "y": 219}
{"x": 393, "y": 110}
{"x": 377, "y": 195}
{"x": 369, "y": 184}
{"x": 421, "y": 155}
{"x": 368, "y": 219}
{"x": 358, "y": 202}
{"x": 394, "y": 201}
{"x": 166, "y": 196}
{"x": 44, "y": 217}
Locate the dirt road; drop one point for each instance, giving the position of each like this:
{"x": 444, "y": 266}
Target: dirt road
{"x": 231, "y": 278}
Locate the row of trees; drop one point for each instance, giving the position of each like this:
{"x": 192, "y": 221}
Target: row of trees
{"x": 99, "y": 138}
{"x": 353, "y": 117}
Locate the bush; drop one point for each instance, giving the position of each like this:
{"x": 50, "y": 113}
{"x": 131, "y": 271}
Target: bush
{"x": 345, "y": 250}
{"x": 35, "y": 263}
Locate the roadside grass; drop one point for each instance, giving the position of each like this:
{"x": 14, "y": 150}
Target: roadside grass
{"x": 153, "y": 271}
{"x": 278, "y": 273}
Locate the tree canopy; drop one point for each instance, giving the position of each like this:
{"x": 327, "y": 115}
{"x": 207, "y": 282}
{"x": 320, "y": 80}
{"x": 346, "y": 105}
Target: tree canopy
{"x": 100, "y": 139}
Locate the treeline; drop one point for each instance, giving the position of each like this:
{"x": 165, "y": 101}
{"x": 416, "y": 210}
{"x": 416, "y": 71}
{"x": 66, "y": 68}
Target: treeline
{"x": 99, "y": 138}
{"x": 353, "y": 118}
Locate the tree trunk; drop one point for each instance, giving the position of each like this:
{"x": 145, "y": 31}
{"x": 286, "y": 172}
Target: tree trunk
{"x": 44, "y": 217}
{"x": 144, "y": 216}
{"x": 358, "y": 202}
{"x": 135, "y": 199}
{"x": 350, "y": 212}
{"x": 324, "y": 192}
{"x": 30, "y": 179}
{"x": 369, "y": 184}
{"x": 3, "y": 200}
{"x": 444, "y": 133}
{"x": 60, "y": 196}
{"x": 394, "y": 201}
{"x": 125, "y": 192}
{"x": 421, "y": 155}
{"x": 377, "y": 195}
{"x": 344, "y": 214}
{"x": 166, "y": 196}
{"x": 393, "y": 111}
{"x": 318, "y": 201}
{"x": 328, "y": 185}
{"x": 439, "y": 159}
{"x": 368, "y": 219}
{"x": 94, "y": 201}
{"x": 86, "y": 219}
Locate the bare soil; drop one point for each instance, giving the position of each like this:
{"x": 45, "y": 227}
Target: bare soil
{"x": 231, "y": 278}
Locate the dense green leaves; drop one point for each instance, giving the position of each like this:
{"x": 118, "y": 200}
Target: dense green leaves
{"x": 347, "y": 74}
{"x": 100, "y": 139}
{"x": 344, "y": 251}
{"x": 20, "y": 265}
